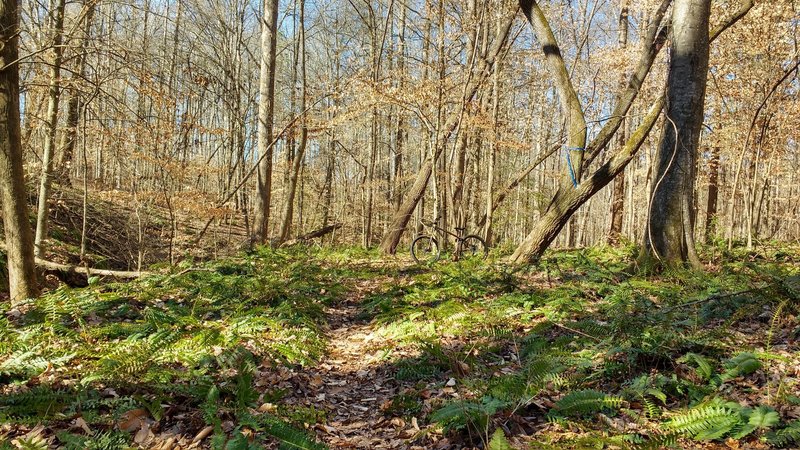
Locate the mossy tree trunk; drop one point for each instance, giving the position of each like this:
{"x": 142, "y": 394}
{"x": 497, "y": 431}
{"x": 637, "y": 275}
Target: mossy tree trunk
{"x": 562, "y": 205}
{"x": 558, "y": 213}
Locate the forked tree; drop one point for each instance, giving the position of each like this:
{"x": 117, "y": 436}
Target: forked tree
{"x": 574, "y": 191}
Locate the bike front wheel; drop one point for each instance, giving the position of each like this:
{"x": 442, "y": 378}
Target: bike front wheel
{"x": 425, "y": 250}
{"x": 474, "y": 247}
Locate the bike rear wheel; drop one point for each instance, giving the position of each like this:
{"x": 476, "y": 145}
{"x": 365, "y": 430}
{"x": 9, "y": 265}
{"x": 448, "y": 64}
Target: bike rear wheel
{"x": 425, "y": 250}
{"x": 474, "y": 247}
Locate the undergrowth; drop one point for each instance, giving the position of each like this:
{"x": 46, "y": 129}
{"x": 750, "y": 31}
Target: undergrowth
{"x": 681, "y": 356}
{"x": 192, "y": 342}
{"x": 573, "y": 352}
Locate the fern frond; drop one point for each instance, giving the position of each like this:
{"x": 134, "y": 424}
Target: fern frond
{"x": 706, "y": 422}
{"x": 499, "y": 441}
{"x": 588, "y": 401}
{"x": 28, "y": 362}
{"x": 290, "y": 437}
{"x": 702, "y": 365}
{"x": 786, "y": 436}
{"x": 741, "y": 365}
{"x": 660, "y": 442}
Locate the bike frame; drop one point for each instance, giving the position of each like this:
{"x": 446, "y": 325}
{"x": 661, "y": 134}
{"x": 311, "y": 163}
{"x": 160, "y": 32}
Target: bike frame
{"x": 459, "y": 235}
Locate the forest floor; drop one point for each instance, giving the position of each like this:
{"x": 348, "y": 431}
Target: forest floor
{"x": 314, "y": 348}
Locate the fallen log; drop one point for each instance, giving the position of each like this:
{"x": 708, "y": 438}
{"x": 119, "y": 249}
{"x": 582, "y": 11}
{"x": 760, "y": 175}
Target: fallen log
{"x": 88, "y": 271}
{"x": 313, "y": 235}
{"x": 81, "y": 270}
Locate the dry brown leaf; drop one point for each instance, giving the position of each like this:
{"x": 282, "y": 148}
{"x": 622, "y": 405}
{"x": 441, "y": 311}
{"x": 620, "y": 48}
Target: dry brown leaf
{"x": 132, "y": 420}
{"x": 143, "y": 435}
{"x": 81, "y": 423}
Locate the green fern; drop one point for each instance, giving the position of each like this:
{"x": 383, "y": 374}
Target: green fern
{"x": 647, "y": 389}
{"x": 38, "y": 403}
{"x": 28, "y": 362}
{"x": 702, "y": 365}
{"x": 290, "y": 437}
{"x": 791, "y": 285}
{"x": 709, "y": 421}
{"x": 786, "y": 436}
{"x": 580, "y": 403}
{"x": 106, "y": 440}
{"x": 742, "y": 364}
{"x": 763, "y": 417}
{"x": 499, "y": 441}
{"x": 462, "y": 414}
{"x": 659, "y": 442}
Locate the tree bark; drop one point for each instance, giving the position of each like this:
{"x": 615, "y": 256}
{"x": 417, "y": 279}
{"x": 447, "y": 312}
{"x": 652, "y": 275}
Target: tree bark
{"x": 19, "y": 238}
{"x": 618, "y": 198}
{"x": 266, "y": 112}
{"x": 288, "y": 211}
{"x": 401, "y": 132}
{"x": 54, "y": 94}
{"x": 669, "y": 238}
{"x": 570, "y": 104}
{"x": 553, "y": 220}
{"x": 68, "y": 138}
{"x": 713, "y": 194}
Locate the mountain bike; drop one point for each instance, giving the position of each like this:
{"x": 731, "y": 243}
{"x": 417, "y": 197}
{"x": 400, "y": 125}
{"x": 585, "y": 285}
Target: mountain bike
{"x": 425, "y": 247}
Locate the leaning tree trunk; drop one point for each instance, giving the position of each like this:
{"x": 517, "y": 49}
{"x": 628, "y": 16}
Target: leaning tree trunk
{"x": 266, "y": 111}
{"x": 669, "y": 236}
{"x": 554, "y": 219}
{"x": 19, "y": 238}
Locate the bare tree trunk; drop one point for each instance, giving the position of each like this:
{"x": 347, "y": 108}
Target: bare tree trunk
{"x": 288, "y": 211}
{"x": 266, "y": 111}
{"x": 400, "y": 138}
{"x": 618, "y": 199}
{"x": 330, "y": 161}
{"x": 669, "y": 239}
{"x": 54, "y": 94}
{"x": 68, "y": 138}
{"x": 490, "y": 206}
{"x": 713, "y": 193}
{"x": 19, "y": 238}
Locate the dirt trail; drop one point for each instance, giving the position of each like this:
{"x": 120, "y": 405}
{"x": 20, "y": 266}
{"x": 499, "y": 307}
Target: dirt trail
{"x": 355, "y": 384}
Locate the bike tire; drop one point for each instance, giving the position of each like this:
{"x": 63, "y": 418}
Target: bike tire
{"x": 474, "y": 246}
{"x": 425, "y": 250}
